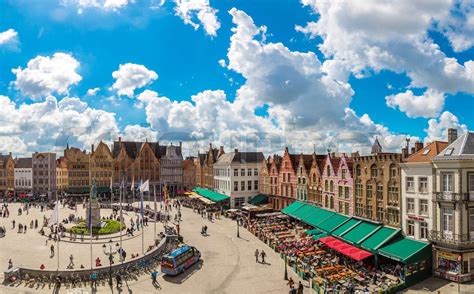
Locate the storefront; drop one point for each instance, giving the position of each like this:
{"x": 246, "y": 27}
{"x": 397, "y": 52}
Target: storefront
{"x": 453, "y": 266}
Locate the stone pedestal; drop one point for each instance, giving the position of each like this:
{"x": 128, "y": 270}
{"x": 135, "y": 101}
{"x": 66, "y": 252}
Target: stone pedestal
{"x": 93, "y": 213}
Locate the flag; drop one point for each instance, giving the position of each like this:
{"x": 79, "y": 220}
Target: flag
{"x": 133, "y": 184}
{"x": 54, "y": 218}
{"x": 145, "y": 187}
{"x": 111, "y": 186}
{"x": 161, "y": 195}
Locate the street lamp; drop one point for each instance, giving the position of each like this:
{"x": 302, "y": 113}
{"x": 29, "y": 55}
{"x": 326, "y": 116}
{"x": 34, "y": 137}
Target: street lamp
{"x": 110, "y": 254}
{"x": 286, "y": 270}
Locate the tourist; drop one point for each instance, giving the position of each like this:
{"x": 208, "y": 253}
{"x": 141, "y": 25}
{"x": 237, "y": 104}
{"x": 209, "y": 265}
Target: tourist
{"x": 263, "y": 254}
{"x": 256, "y": 255}
{"x": 98, "y": 262}
{"x": 42, "y": 267}
{"x": 118, "y": 278}
{"x": 13, "y": 224}
{"x": 300, "y": 288}
{"x": 291, "y": 283}
{"x": 10, "y": 263}
{"x": 154, "y": 274}
{"x": 52, "y": 250}
{"x": 94, "y": 279}
{"x": 71, "y": 261}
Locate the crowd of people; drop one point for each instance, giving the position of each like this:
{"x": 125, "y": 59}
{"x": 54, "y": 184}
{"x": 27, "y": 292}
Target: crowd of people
{"x": 321, "y": 265}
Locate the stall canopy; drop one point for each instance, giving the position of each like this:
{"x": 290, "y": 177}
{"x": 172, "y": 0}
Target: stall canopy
{"x": 313, "y": 232}
{"x": 319, "y": 236}
{"x": 211, "y": 195}
{"x": 359, "y": 232}
{"x": 406, "y": 250}
{"x": 259, "y": 199}
{"x": 332, "y": 222}
{"x": 345, "y": 227}
{"x": 346, "y": 249}
{"x": 318, "y": 216}
{"x": 292, "y": 207}
{"x": 379, "y": 238}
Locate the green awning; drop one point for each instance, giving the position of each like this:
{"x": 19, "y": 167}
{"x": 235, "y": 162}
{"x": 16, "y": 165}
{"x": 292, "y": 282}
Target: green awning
{"x": 332, "y": 222}
{"x": 103, "y": 189}
{"x": 303, "y": 212}
{"x": 317, "y": 237}
{"x": 379, "y": 238}
{"x": 259, "y": 199}
{"x": 318, "y": 216}
{"x": 359, "y": 232}
{"x": 345, "y": 226}
{"x": 78, "y": 190}
{"x": 406, "y": 250}
{"x": 313, "y": 232}
{"x": 292, "y": 207}
{"x": 211, "y": 195}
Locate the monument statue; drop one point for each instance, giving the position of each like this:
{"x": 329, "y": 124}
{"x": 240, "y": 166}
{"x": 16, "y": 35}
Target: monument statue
{"x": 93, "y": 209}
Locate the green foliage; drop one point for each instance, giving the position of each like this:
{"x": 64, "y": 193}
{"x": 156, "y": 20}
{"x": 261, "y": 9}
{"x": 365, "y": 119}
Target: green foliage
{"x": 111, "y": 227}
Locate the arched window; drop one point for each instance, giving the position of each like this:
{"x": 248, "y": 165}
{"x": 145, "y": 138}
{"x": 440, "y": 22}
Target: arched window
{"x": 373, "y": 171}
{"x": 314, "y": 178}
{"x": 331, "y": 205}
{"x": 326, "y": 204}
{"x": 326, "y": 185}
{"x": 393, "y": 170}
{"x": 328, "y": 170}
{"x": 331, "y": 186}
{"x": 358, "y": 170}
{"x": 369, "y": 190}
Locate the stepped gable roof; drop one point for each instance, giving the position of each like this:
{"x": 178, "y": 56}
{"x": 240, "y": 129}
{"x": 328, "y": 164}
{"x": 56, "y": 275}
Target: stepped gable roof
{"x": 428, "y": 152}
{"x": 307, "y": 160}
{"x": 26, "y": 162}
{"x": 461, "y": 148}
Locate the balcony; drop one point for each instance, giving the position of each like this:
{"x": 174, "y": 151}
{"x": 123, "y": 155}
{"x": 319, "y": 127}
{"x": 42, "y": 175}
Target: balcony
{"x": 448, "y": 238}
{"x": 453, "y": 197}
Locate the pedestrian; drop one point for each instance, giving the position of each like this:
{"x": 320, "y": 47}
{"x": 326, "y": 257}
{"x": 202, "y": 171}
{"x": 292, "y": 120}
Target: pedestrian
{"x": 154, "y": 274}
{"x": 10, "y": 263}
{"x": 256, "y": 255}
{"x": 25, "y": 227}
{"x": 300, "y": 288}
{"x": 13, "y": 223}
{"x": 71, "y": 261}
{"x": 94, "y": 279}
{"x": 118, "y": 278}
{"x": 263, "y": 254}
{"x": 52, "y": 250}
{"x": 291, "y": 283}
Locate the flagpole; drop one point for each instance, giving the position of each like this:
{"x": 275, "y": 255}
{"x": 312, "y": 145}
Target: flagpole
{"x": 90, "y": 226}
{"x": 154, "y": 202}
{"x": 121, "y": 216}
{"x": 143, "y": 235}
{"x": 57, "y": 245}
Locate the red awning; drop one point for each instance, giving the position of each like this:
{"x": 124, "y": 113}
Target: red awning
{"x": 346, "y": 249}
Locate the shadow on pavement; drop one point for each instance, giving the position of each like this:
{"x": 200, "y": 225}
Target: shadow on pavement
{"x": 181, "y": 278}
{"x": 431, "y": 284}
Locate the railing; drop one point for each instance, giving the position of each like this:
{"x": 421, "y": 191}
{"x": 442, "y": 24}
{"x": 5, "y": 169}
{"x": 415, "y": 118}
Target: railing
{"x": 451, "y": 238}
{"x": 452, "y": 197}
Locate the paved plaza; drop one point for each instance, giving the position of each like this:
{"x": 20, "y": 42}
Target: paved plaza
{"x": 228, "y": 263}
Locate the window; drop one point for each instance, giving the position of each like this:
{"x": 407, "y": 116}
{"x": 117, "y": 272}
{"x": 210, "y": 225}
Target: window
{"x": 238, "y": 201}
{"x": 358, "y": 189}
{"x": 447, "y": 182}
{"x": 426, "y": 152}
{"x": 328, "y": 170}
{"x": 410, "y": 205}
{"x": 255, "y": 185}
{"x": 423, "y": 207}
{"x": 249, "y": 172}
{"x": 423, "y": 230}
{"x": 249, "y": 185}
{"x": 379, "y": 191}
{"x": 346, "y": 192}
{"x": 236, "y": 172}
{"x": 340, "y": 192}
{"x": 326, "y": 185}
{"x": 471, "y": 222}
{"x": 393, "y": 194}
{"x": 449, "y": 152}
{"x": 343, "y": 175}
{"x": 373, "y": 171}
{"x": 255, "y": 172}
{"x": 331, "y": 203}
{"x": 369, "y": 191}
{"x": 393, "y": 170}
{"x": 340, "y": 208}
{"x": 410, "y": 184}
{"x": 242, "y": 186}
{"x": 410, "y": 228}
{"x": 448, "y": 224}
{"x": 358, "y": 171}
{"x": 470, "y": 182}
{"x": 423, "y": 185}
{"x": 242, "y": 172}
{"x": 331, "y": 186}
{"x": 346, "y": 209}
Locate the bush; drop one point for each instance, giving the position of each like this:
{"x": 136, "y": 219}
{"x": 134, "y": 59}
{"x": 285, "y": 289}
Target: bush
{"x": 111, "y": 227}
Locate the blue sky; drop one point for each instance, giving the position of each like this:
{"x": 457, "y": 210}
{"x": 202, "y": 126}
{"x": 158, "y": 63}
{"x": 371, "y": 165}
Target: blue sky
{"x": 186, "y": 61}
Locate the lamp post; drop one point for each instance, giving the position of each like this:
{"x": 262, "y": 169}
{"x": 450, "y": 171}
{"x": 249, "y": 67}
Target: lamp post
{"x": 286, "y": 270}
{"x": 110, "y": 255}
{"x": 238, "y": 233}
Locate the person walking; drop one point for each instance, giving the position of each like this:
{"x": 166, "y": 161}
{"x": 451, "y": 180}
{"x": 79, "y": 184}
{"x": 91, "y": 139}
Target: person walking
{"x": 154, "y": 275}
{"x": 300, "y": 288}
{"x": 52, "y": 250}
{"x": 71, "y": 261}
{"x": 10, "y": 263}
{"x": 263, "y": 254}
{"x": 118, "y": 279}
{"x": 94, "y": 279}
{"x": 256, "y": 255}
{"x": 291, "y": 283}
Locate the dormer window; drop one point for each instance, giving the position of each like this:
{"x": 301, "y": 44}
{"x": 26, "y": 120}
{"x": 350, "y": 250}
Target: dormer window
{"x": 449, "y": 152}
{"x": 426, "y": 152}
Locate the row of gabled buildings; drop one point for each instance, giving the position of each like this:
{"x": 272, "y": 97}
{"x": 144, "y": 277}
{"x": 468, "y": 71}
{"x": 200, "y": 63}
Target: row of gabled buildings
{"x": 73, "y": 173}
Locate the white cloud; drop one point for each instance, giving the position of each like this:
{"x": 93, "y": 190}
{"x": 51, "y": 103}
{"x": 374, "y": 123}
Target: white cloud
{"x": 189, "y": 10}
{"x": 427, "y": 105}
{"x": 132, "y": 76}
{"x": 9, "y": 39}
{"x": 372, "y": 35}
{"x": 50, "y": 124}
{"x": 139, "y": 133}
{"x": 437, "y": 128}
{"x": 93, "y": 91}
{"x": 45, "y": 75}
{"x": 101, "y": 4}
{"x": 458, "y": 27}
{"x": 115, "y": 4}
{"x": 222, "y": 63}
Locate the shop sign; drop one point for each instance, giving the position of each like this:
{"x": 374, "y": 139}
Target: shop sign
{"x": 448, "y": 255}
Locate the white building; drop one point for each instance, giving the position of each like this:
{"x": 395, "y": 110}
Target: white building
{"x": 23, "y": 175}
{"x": 417, "y": 180}
{"x": 236, "y": 175}
{"x": 453, "y": 215}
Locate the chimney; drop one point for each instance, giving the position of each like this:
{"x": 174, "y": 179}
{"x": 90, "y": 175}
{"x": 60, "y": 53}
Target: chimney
{"x": 92, "y": 148}
{"x": 221, "y": 149}
{"x": 10, "y": 154}
{"x": 333, "y": 154}
{"x": 404, "y": 153}
{"x": 418, "y": 146}
{"x": 452, "y": 135}
{"x": 210, "y": 145}
{"x": 286, "y": 149}
{"x": 236, "y": 150}
{"x": 412, "y": 150}
{"x": 180, "y": 144}
{"x": 120, "y": 139}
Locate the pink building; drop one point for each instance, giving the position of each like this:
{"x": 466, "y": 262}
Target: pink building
{"x": 336, "y": 179}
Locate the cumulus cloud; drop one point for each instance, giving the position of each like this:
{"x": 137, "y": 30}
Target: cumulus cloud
{"x": 101, "y": 4}
{"x": 427, "y": 105}
{"x": 189, "y": 10}
{"x": 50, "y": 124}
{"x": 458, "y": 27}
{"x": 130, "y": 77}
{"x": 437, "y": 128}
{"x": 139, "y": 133}
{"x": 45, "y": 75}
{"x": 93, "y": 91}
{"x": 9, "y": 39}
{"x": 370, "y": 36}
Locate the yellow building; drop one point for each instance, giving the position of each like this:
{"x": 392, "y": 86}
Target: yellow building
{"x": 77, "y": 162}
{"x": 101, "y": 167}
{"x": 61, "y": 175}
{"x": 7, "y": 174}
